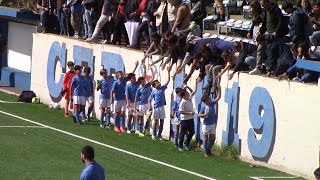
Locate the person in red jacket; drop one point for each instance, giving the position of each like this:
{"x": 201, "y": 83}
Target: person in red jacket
{"x": 66, "y": 85}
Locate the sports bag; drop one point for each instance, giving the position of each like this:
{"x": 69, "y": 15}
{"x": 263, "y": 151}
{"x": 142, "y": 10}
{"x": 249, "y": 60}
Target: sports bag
{"x": 26, "y": 96}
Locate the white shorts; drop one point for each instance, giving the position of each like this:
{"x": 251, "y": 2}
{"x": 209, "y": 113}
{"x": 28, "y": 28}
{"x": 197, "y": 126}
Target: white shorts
{"x": 90, "y": 99}
{"x": 119, "y": 106}
{"x": 209, "y": 129}
{"x": 131, "y": 110}
{"x": 159, "y": 113}
{"x": 175, "y": 121}
{"x": 104, "y": 103}
{"x": 143, "y": 109}
{"x": 79, "y": 100}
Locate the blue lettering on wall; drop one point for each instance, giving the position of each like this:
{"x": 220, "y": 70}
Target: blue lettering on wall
{"x": 230, "y": 135}
{"x": 262, "y": 118}
{"x": 112, "y": 62}
{"x": 56, "y": 53}
{"x": 83, "y": 57}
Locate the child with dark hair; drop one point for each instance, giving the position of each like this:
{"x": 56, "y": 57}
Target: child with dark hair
{"x": 66, "y": 86}
{"x": 118, "y": 94}
{"x": 77, "y": 92}
{"x": 141, "y": 101}
{"x": 158, "y": 95}
{"x": 186, "y": 111}
{"x": 209, "y": 122}
{"x": 175, "y": 114}
{"x": 89, "y": 92}
{"x": 131, "y": 91}
{"x": 105, "y": 85}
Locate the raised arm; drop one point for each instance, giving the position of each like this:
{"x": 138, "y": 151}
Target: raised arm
{"x": 218, "y": 93}
{"x": 192, "y": 69}
{"x": 168, "y": 80}
{"x": 152, "y": 74}
{"x": 194, "y": 89}
{"x": 136, "y": 66}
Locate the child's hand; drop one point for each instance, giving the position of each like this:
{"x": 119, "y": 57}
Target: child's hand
{"x": 169, "y": 68}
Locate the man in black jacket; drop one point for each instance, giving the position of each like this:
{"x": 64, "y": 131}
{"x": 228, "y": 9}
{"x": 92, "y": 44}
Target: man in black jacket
{"x": 152, "y": 7}
{"x": 247, "y": 57}
{"x": 279, "y": 55}
{"x": 272, "y": 23}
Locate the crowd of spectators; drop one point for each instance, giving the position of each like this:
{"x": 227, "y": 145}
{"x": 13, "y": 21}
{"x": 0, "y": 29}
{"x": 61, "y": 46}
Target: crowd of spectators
{"x": 173, "y": 30}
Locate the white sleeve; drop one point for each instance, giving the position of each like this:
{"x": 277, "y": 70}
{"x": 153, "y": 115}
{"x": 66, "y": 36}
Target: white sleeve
{"x": 206, "y": 109}
{"x": 181, "y": 106}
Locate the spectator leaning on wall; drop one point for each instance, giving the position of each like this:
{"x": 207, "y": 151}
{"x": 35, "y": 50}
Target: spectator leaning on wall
{"x": 272, "y": 23}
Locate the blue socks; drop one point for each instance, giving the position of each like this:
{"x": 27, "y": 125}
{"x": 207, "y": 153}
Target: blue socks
{"x": 154, "y": 131}
{"x": 140, "y": 127}
{"x": 211, "y": 143}
{"x": 176, "y": 137}
{"x": 129, "y": 125}
{"x": 89, "y": 112}
{"x": 107, "y": 119}
{"x": 101, "y": 118}
{"x": 83, "y": 115}
{"x": 122, "y": 121}
{"x": 205, "y": 146}
{"x": 76, "y": 115}
{"x": 160, "y": 130}
{"x": 117, "y": 121}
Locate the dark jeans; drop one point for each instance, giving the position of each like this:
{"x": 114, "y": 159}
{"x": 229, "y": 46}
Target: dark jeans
{"x": 186, "y": 126}
{"x": 143, "y": 30}
{"x": 62, "y": 22}
{"x": 152, "y": 29}
{"x": 119, "y": 29}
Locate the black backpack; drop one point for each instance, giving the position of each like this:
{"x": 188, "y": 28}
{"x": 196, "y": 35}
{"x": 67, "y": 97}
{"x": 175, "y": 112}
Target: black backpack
{"x": 26, "y": 96}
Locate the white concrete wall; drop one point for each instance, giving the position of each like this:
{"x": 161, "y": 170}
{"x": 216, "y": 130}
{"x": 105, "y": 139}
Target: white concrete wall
{"x": 20, "y": 45}
{"x": 297, "y": 141}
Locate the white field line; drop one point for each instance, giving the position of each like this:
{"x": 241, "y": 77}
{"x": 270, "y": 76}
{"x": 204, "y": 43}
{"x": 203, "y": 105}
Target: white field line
{"x": 22, "y": 127}
{"x": 111, "y": 147}
{"x": 10, "y": 102}
{"x": 272, "y": 177}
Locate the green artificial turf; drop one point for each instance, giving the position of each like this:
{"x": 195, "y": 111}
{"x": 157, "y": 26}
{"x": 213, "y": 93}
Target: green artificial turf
{"x": 40, "y": 153}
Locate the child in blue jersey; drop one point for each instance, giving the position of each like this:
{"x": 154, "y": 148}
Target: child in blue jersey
{"x": 158, "y": 113}
{"x": 118, "y": 95}
{"x": 175, "y": 115}
{"x": 105, "y": 85}
{"x": 131, "y": 91}
{"x": 89, "y": 92}
{"x": 141, "y": 101}
{"x": 78, "y": 93}
{"x": 209, "y": 122}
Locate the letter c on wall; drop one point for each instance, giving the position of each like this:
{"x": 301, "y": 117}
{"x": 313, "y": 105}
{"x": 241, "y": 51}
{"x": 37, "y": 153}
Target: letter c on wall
{"x": 57, "y": 53}
{"x": 263, "y": 124}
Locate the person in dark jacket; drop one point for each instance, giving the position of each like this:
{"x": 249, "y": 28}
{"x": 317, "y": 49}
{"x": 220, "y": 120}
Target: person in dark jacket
{"x": 298, "y": 23}
{"x": 119, "y": 27}
{"x": 257, "y": 15}
{"x": 272, "y": 23}
{"x": 247, "y": 57}
{"x": 279, "y": 55}
{"x": 152, "y": 7}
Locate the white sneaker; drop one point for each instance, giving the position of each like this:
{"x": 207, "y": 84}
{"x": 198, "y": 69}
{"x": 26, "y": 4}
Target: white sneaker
{"x": 128, "y": 132}
{"x": 153, "y": 138}
{"x": 137, "y": 132}
{"x": 91, "y": 39}
{"x": 101, "y": 126}
{"x": 160, "y": 138}
{"x": 76, "y": 36}
{"x": 255, "y": 71}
